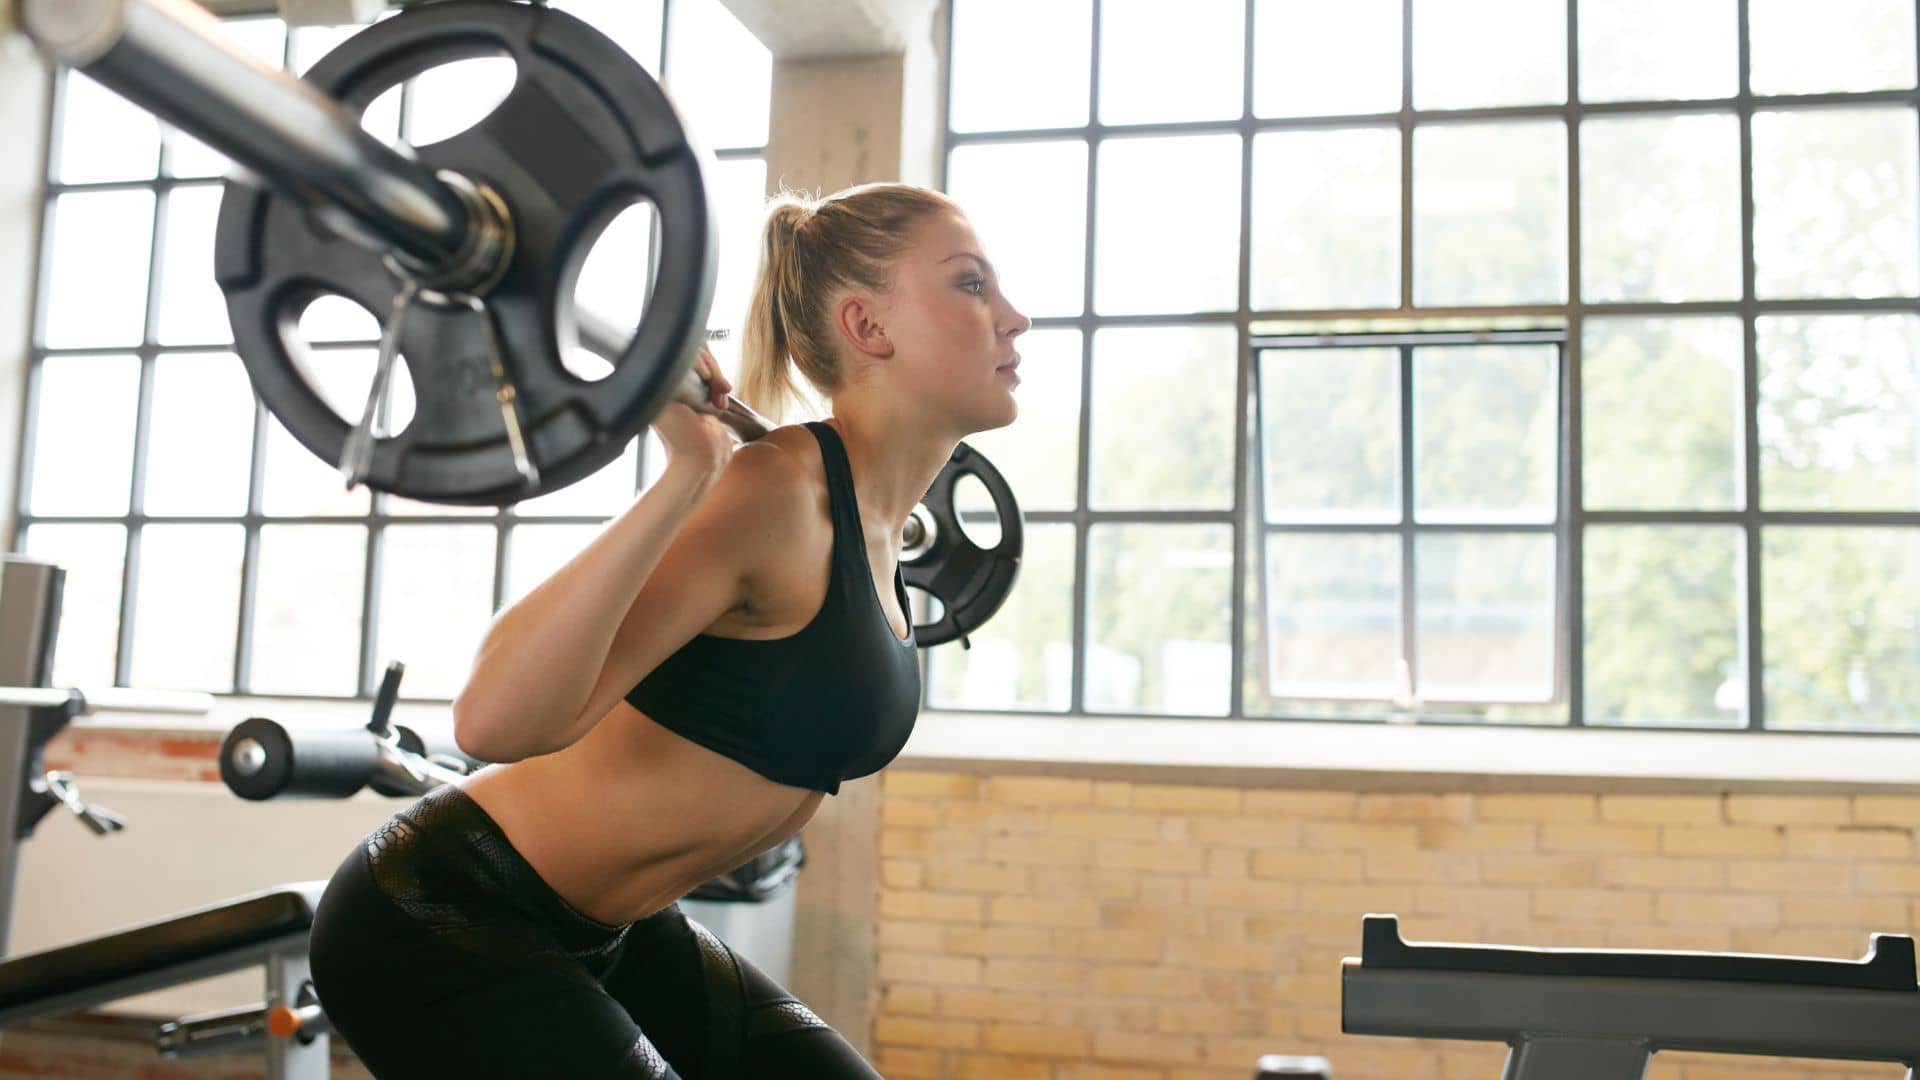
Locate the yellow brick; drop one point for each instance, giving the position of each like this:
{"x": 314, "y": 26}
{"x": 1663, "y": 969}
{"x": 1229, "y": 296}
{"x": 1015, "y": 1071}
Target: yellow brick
{"x": 907, "y": 1063}
{"x": 1026, "y": 911}
{"x": 1245, "y": 832}
{"x": 938, "y": 969}
{"x": 1661, "y": 810}
{"x": 1131, "y": 855}
{"x": 910, "y": 1000}
{"x": 1000, "y": 941}
{"x": 1355, "y": 899}
{"x": 1887, "y": 878}
{"x": 1414, "y": 806}
{"x": 1106, "y": 824}
{"x": 903, "y": 842}
{"x": 1207, "y": 953}
{"x": 1511, "y": 868}
{"x": 977, "y": 877}
{"x": 1110, "y": 946}
{"x": 931, "y": 785}
{"x": 1206, "y": 1018}
{"x": 1435, "y": 836}
{"x": 1883, "y": 914}
{"x": 1038, "y": 1040}
{"x": 1789, "y": 809}
{"x": 1901, "y": 810}
{"x": 902, "y": 904}
{"x": 1735, "y": 910}
{"x": 1349, "y": 836}
{"x": 1050, "y": 850}
{"x": 909, "y": 814}
{"x": 1053, "y": 976}
{"x": 1039, "y": 791}
{"x": 1482, "y": 901}
{"x": 1146, "y": 981}
{"x": 1093, "y": 1070}
{"x": 902, "y": 873}
{"x": 1794, "y": 941}
{"x": 1153, "y": 918}
{"x": 1158, "y": 888}
{"x": 924, "y": 937}
{"x": 1090, "y": 1013}
{"x": 1133, "y": 1046}
{"x": 1228, "y": 863}
{"x": 1226, "y": 924}
{"x": 1691, "y": 937}
{"x": 911, "y": 1031}
{"x": 990, "y": 1004}
{"x": 1860, "y": 843}
{"x": 1309, "y": 865}
{"x": 1060, "y": 882}
{"x": 983, "y": 1067}
{"x": 1565, "y": 905}
{"x": 1726, "y": 840}
{"x": 1773, "y": 875}
{"x": 1649, "y": 872}
{"x": 1600, "y": 839}
{"x": 1539, "y": 809}
{"x": 1300, "y": 804}
{"x": 1444, "y": 867}
{"x": 993, "y": 817}
{"x": 1115, "y": 885}
{"x": 1186, "y": 799}
{"x": 1250, "y": 894}
{"x": 1176, "y": 830}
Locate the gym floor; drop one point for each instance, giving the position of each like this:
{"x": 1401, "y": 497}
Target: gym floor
{"x": 1491, "y": 498}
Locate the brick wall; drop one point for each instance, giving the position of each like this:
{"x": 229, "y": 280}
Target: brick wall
{"x": 1063, "y": 929}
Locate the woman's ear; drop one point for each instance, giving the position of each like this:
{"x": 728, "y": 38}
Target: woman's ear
{"x": 856, "y": 318}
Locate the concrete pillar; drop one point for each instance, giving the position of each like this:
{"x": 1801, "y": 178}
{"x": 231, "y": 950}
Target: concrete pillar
{"x": 26, "y": 84}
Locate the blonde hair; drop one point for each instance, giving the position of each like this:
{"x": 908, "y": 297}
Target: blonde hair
{"x": 810, "y": 250}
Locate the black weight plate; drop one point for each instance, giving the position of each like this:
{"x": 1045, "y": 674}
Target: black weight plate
{"x": 584, "y": 133}
{"x": 971, "y": 582}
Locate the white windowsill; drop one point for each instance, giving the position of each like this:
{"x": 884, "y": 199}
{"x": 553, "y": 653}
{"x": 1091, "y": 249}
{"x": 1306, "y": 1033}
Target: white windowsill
{"x": 1293, "y": 754}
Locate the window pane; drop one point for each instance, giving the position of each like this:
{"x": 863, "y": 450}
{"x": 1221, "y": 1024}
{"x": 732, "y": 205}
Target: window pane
{"x": 1470, "y": 54}
{"x": 1163, "y": 418}
{"x": 436, "y": 597}
{"x": 1490, "y": 214}
{"x": 1039, "y": 454}
{"x": 1332, "y": 608}
{"x": 97, "y": 280}
{"x": 200, "y": 445}
{"x": 1330, "y": 433}
{"x": 634, "y": 24}
{"x": 193, "y": 310}
{"x": 1486, "y": 432}
{"x": 1660, "y": 208}
{"x": 306, "y": 609}
{"x": 449, "y": 98}
{"x": 1159, "y": 613}
{"x": 1028, "y": 205}
{"x": 1485, "y": 616}
{"x": 606, "y": 493}
{"x": 187, "y": 608}
{"x": 1839, "y": 45}
{"x": 1839, "y": 403}
{"x": 1662, "y": 609}
{"x": 1842, "y": 627}
{"x": 1326, "y": 59}
{"x": 534, "y": 552}
{"x": 94, "y": 556}
{"x": 1661, "y": 423}
{"x": 719, "y": 76}
{"x": 1834, "y": 198}
{"x": 1154, "y": 261}
{"x": 1023, "y": 657}
{"x": 1193, "y": 50}
{"x": 103, "y": 136}
{"x": 299, "y": 484}
{"x": 82, "y": 446}
{"x": 739, "y": 188}
{"x": 1326, "y": 219}
{"x": 1643, "y": 50}
{"x": 993, "y": 39}
{"x": 266, "y": 41}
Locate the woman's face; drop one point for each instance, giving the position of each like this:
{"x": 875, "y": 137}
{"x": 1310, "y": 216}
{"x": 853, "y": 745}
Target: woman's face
{"x": 952, "y": 329}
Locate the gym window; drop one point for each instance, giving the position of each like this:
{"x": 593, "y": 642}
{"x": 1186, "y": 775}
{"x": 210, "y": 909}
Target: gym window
{"x": 205, "y": 548}
{"x": 1385, "y": 368}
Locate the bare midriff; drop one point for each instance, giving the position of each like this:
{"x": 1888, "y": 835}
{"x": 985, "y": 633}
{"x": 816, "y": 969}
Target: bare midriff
{"x": 633, "y": 816}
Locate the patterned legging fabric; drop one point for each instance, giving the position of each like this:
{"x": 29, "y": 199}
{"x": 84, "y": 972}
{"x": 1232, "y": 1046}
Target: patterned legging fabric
{"x": 438, "y": 951}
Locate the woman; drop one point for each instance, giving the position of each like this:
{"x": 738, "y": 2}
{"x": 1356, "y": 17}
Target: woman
{"x": 679, "y": 697}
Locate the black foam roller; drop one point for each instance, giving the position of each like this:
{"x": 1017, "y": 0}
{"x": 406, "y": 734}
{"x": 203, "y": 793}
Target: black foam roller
{"x": 313, "y": 763}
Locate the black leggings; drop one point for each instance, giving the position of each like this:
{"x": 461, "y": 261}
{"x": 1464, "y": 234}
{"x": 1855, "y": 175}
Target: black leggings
{"x": 438, "y": 951}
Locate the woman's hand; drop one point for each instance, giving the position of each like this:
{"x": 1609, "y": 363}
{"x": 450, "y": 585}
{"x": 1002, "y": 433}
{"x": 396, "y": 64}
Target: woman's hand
{"x": 697, "y": 443}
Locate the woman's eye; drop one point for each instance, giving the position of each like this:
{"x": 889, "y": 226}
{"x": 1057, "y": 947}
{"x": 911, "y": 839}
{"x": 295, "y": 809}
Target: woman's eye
{"x": 974, "y": 285}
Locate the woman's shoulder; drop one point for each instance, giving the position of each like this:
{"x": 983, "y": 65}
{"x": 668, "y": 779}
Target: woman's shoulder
{"x": 778, "y": 478}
